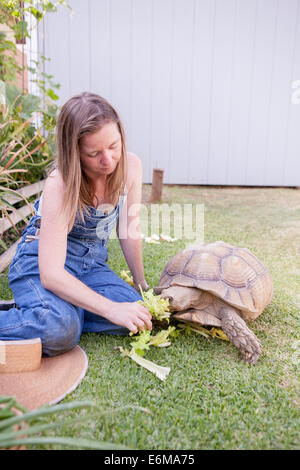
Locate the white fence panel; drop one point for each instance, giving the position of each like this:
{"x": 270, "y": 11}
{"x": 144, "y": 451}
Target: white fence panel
{"x": 203, "y": 87}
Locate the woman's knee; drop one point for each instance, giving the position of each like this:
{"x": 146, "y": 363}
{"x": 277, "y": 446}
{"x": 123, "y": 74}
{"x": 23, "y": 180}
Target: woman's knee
{"x": 63, "y": 331}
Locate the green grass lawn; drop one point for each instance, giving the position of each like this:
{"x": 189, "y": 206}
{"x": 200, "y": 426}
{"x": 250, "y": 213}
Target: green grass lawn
{"x": 211, "y": 398}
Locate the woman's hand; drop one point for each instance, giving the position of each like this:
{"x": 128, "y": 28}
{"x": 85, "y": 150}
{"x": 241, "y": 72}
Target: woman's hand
{"x": 132, "y": 315}
{"x": 143, "y": 284}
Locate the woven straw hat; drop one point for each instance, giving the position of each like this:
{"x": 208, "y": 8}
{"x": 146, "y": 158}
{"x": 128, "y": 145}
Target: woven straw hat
{"x": 35, "y": 380}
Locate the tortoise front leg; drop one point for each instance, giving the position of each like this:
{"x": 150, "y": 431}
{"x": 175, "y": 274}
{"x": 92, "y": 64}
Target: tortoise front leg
{"x": 240, "y": 335}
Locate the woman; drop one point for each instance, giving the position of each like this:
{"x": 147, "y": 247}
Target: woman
{"x": 61, "y": 283}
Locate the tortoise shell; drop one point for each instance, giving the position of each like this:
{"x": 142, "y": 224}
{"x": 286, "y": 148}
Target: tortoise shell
{"x": 232, "y": 274}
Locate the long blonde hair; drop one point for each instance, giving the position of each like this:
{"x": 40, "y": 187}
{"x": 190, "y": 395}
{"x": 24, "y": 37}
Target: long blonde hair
{"x": 83, "y": 114}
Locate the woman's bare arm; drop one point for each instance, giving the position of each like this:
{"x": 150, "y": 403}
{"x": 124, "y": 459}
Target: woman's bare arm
{"x": 128, "y": 226}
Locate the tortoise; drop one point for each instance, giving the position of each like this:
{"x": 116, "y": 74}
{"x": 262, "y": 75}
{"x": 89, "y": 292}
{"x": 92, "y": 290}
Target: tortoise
{"x": 221, "y": 285}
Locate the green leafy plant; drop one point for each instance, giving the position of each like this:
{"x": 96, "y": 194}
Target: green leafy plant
{"x": 144, "y": 339}
{"x": 156, "y": 305}
{"x": 8, "y": 65}
{"x": 213, "y": 332}
{"x": 23, "y": 151}
{"x": 159, "y": 309}
{"x": 48, "y": 89}
{"x": 19, "y": 426}
{"x": 160, "y": 371}
{"x": 20, "y": 134}
{"x": 12, "y": 14}
{"x": 142, "y": 343}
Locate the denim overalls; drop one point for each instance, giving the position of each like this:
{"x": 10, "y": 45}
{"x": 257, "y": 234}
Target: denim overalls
{"x": 43, "y": 314}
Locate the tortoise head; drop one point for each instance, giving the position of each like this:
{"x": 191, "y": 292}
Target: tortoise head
{"x": 182, "y": 298}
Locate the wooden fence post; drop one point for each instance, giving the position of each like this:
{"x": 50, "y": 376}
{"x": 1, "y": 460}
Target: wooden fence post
{"x": 157, "y": 185}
